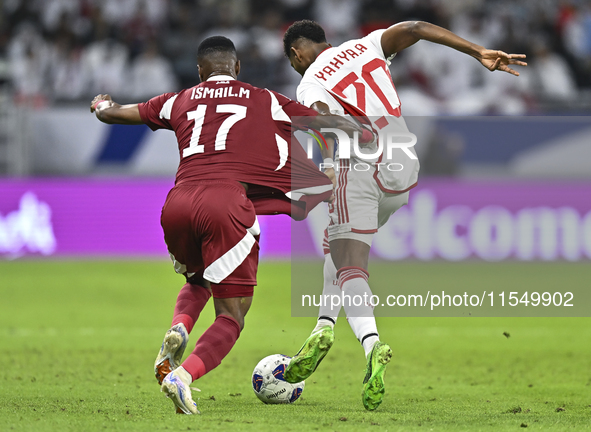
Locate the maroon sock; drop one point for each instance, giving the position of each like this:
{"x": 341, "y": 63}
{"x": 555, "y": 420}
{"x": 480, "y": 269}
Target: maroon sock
{"x": 212, "y": 346}
{"x": 189, "y": 304}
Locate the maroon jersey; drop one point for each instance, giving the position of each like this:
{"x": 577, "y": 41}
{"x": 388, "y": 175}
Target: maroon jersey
{"x": 230, "y": 130}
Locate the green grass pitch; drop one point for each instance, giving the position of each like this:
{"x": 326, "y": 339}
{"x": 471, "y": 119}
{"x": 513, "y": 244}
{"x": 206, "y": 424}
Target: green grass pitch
{"x": 79, "y": 339}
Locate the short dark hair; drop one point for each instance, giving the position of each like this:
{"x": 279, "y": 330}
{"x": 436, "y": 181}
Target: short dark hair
{"x": 304, "y": 29}
{"x": 215, "y": 45}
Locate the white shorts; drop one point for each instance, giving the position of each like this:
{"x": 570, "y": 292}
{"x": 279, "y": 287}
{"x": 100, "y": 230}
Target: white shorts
{"x": 360, "y": 207}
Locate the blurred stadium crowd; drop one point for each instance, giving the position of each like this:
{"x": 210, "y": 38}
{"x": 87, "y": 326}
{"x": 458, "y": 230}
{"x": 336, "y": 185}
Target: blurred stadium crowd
{"x": 54, "y": 51}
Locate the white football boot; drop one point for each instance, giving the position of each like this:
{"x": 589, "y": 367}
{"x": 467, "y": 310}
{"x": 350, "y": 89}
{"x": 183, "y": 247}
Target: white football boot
{"x": 171, "y": 351}
{"x": 176, "y": 388}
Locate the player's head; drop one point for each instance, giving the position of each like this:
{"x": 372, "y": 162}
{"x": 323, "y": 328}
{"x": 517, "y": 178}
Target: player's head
{"x": 302, "y": 42}
{"x": 216, "y": 55}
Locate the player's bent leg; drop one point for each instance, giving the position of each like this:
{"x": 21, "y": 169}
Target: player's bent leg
{"x": 354, "y": 285}
{"x": 190, "y": 302}
{"x": 217, "y": 341}
{"x": 330, "y": 306}
{"x": 315, "y": 348}
{"x": 213, "y": 345}
{"x": 218, "y": 240}
{"x": 237, "y": 305}
{"x": 351, "y": 258}
{"x": 373, "y": 384}
{"x": 351, "y": 252}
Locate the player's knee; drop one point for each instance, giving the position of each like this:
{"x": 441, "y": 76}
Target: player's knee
{"x": 349, "y": 253}
{"x": 237, "y": 316}
{"x": 233, "y": 316}
{"x": 236, "y": 308}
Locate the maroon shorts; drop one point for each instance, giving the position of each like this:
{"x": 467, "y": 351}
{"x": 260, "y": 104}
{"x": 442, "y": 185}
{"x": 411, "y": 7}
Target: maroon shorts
{"x": 211, "y": 231}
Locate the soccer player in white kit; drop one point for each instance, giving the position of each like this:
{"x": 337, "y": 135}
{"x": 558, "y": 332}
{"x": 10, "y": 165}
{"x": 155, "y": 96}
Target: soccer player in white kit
{"x": 354, "y": 79}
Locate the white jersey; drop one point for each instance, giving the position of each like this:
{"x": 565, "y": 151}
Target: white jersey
{"x": 354, "y": 79}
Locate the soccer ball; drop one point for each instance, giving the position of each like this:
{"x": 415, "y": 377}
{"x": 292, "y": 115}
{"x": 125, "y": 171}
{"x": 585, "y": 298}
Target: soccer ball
{"x": 268, "y": 383}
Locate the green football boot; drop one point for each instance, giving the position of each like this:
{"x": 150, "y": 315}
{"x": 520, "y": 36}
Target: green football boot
{"x": 373, "y": 384}
{"x": 305, "y": 362}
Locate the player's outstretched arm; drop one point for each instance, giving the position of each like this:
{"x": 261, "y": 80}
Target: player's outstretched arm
{"x": 328, "y": 120}
{"x": 111, "y": 112}
{"x": 407, "y": 33}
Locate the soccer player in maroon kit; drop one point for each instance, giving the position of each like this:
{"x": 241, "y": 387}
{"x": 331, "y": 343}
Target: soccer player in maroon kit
{"x": 236, "y": 161}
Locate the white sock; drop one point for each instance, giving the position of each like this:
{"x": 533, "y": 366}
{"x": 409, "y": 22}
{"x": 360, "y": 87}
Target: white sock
{"x": 370, "y": 341}
{"x": 357, "y": 303}
{"x": 185, "y": 376}
{"x": 322, "y": 322}
{"x": 327, "y": 313}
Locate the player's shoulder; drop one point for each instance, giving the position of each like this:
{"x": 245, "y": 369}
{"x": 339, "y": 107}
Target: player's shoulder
{"x": 309, "y": 79}
{"x": 307, "y": 83}
{"x": 249, "y": 86}
{"x": 257, "y": 92}
{"x": 170, "y": 100}
{"x": 171, "y": 97}
{"x": 372, "y": 41}
{"x": 267, "y": 93}
{"x": 278, "y": 95}
{"x": 162, "y": 105}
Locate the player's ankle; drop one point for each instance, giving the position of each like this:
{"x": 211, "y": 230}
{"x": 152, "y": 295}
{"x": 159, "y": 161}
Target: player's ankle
{"x": 368, "y": 344}
{"x": 185, "y": 376}
{"x": 182, "y": 326}
{"x": 323, "y": 322}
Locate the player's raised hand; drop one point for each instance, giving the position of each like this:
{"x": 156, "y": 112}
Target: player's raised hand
{"x": 97, "y": 99}
{"x": 111, "y": 112}
{"x": 499, "y": 60}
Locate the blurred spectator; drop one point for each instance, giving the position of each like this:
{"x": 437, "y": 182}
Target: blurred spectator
{"x": 29, "y": 61}
{"x": 230, "y": 24}
{"x": 71, "y": 49}
{"x": 119, "y": 12}
{"x": 140, "y": 28}
{"x": 19, "y": 11}
{"x": 151, "y": 74}
{"x": 67, "y": 80}
{"x": 577, "y": 39}
{"x": 266, "y": 53}
{"x": 338, "y": 18}
{"x": 295, "y": 10}
{"x": 181, "y": 40}
{"x": 551, "y": 75}
{"x": 577, "y": 32}
{"x": 54, "y": 11}
{"x": 105, "y": 61}
{"x": 267, "y": 35}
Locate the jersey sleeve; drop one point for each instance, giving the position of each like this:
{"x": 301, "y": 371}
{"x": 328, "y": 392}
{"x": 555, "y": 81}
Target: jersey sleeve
{"x": 374, "y": 39}
{"x": 157, "y": 111}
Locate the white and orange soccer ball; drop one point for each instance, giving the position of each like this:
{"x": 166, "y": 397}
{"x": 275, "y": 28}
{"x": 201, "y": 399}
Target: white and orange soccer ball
{"x": 268, "y": 383}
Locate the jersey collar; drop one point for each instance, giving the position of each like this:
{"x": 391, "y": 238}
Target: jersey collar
{"x": 322, "y": 52}
{"x": 221, "y": 78}
{"x": 328, "y": 47}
